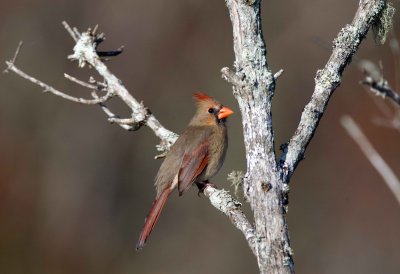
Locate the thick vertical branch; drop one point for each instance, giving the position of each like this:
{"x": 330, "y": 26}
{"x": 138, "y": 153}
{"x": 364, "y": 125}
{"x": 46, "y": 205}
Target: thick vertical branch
{"x": 254, "y": 86}
{"x": 265, "y": 183}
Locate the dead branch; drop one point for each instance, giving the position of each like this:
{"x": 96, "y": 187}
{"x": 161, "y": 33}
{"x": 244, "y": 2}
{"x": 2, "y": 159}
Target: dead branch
{"x": 387, "y": 174}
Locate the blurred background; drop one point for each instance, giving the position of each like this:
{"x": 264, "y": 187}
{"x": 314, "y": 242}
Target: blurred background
{"x": 74, "y": 189}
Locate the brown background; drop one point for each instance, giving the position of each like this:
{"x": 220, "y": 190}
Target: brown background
{"x": 74, "y": 190}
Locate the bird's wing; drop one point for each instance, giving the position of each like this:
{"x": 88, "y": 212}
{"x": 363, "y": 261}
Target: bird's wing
{"x": 193, "y": 164}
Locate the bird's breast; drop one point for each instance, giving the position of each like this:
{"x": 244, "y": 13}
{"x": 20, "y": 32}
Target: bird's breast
{"x": 217, "y": 152}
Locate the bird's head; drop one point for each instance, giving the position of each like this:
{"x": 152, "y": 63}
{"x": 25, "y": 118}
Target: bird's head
{"x": 209, "y": 111}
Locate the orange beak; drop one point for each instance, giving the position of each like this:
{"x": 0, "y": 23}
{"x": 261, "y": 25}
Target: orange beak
{"x": 224, "y": 112}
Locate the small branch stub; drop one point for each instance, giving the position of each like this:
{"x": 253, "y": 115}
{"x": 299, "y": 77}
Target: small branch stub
{"x": 231, "y": 77}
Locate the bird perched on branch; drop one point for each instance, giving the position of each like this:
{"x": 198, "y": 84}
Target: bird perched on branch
{"x": 195, "y": 157}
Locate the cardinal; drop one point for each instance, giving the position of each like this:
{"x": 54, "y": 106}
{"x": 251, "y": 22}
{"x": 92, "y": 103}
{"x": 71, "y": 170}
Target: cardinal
{"x": 195, "y": 157}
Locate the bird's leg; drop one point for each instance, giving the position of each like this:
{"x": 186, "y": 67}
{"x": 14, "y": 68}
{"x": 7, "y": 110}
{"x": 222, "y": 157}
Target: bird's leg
{"x": 203, "y": 184}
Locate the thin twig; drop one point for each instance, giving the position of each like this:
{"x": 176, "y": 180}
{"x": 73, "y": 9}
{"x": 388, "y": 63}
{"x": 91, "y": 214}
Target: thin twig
{"x": 382, "y": 88}
{"x": 80, "y": 82}
{"x": 71, "y": 32}
{"x": 374, "y": 79}
{"x": 125, "y": 121}
{"x": 48, "y": 88}
{"x": 377, "y": 85}
{"x": 278, "y": 73}
{"x": 372, "y": 155}
{"x": 14, "y": 59}
{"x": 76, "y": 31}
{"x": 110, "y": 114}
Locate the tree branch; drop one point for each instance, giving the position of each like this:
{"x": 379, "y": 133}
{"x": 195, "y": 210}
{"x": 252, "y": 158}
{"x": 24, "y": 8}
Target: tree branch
{"x": 375, "y": 81}
{"x": 387, "y": 174}
{"x": 85, "y": 53}
{"x": 383, "y": 89}
{"x": 327, "y": 80}
{"x": 254, "y": 86}
{"x": 223, "y": 201}
{"x": 265, "y": 183}
{"x": 48, "y": 88}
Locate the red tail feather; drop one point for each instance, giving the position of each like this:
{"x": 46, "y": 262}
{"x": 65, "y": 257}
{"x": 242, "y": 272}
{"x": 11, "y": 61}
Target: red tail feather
{"x": 152, "y": 218}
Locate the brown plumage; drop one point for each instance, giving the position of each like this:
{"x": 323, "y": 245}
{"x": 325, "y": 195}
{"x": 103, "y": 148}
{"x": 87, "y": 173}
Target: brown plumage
{"x": 195, "y": 157}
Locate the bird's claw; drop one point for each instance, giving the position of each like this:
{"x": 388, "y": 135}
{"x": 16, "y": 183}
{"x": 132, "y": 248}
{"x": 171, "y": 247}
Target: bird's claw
{"x": 202, "y": 186}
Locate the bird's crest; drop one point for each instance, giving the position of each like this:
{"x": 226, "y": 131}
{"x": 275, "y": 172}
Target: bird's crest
{"x": 202, "y": 97}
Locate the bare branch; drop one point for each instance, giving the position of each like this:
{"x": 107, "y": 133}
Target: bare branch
{"x": 381, "y": 88}
{"x": 124, "y": 121}
{"x": 278, "y": 73}
{"x": 223, "y": 201}
{"x": 253, "y": 82}
{"x": 327, "y": 80}
{"x": 48, "y": 88}
{"x": 80, "y": 82}
{"x": 85, "y": 53}
{"x": 110, "y": 114}
{"x": 73, "y": 32}
{"x": 254, "y": 86}
{"x": 372, "y": 155}
{"x": 375, "y": 81}
{"x": 14, "y": 59}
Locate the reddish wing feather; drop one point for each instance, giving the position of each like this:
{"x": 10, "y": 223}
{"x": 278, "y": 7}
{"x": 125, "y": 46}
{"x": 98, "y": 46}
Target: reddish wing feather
{"x": 192, "y": 166}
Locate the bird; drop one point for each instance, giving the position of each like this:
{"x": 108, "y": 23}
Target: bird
{"x": 195, "y": 157}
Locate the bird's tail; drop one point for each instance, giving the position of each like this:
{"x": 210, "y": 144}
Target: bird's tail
{"x": 152, "y": 217}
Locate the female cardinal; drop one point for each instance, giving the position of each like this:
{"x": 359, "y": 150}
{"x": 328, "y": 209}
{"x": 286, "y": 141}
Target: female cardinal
{"x": 195, "y": 157}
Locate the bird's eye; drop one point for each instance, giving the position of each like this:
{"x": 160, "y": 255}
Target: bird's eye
{"x": 210, "y": 110}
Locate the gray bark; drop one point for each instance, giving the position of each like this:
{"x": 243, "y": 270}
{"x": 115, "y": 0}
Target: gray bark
{"x": 266, "y": 180}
